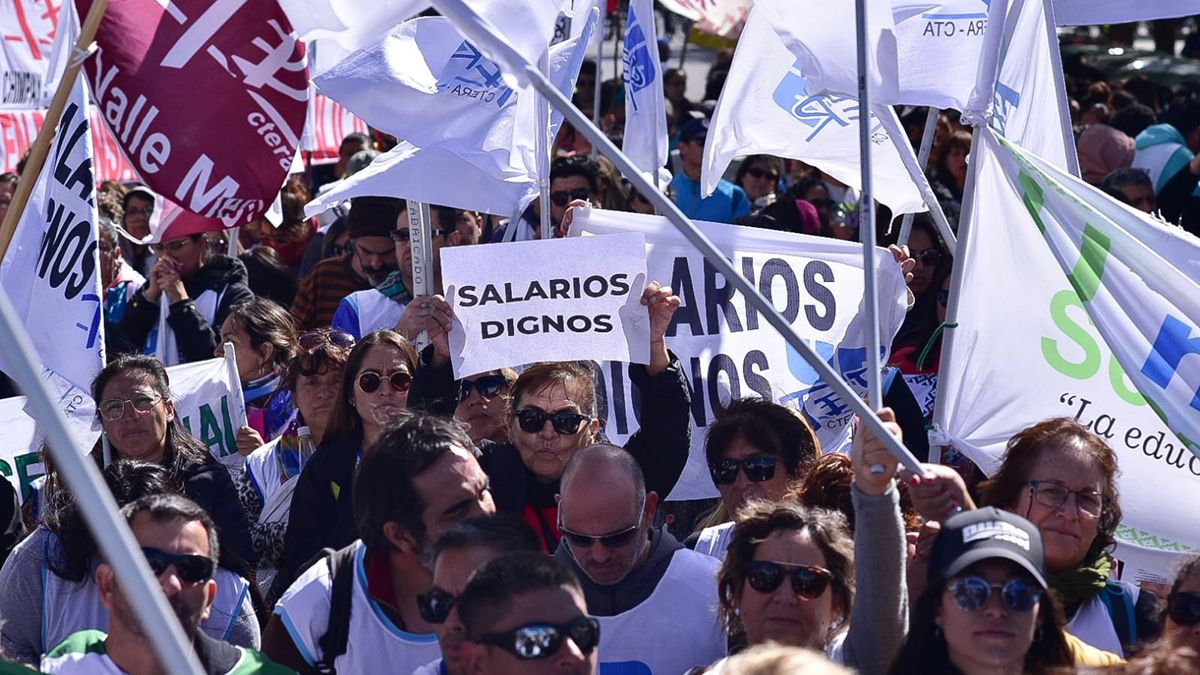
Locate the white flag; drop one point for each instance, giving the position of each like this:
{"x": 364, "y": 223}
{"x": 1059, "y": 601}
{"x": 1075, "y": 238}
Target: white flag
{"x": 470, "y": 137}
{"x": 645, "y": 105}
{"x": 1094, "y": 12}
{"x": 51, "y": 268}
{"x": 766, "y": 108}
{"x": 1024, "y": 338}
{"x": 35, "y": 51}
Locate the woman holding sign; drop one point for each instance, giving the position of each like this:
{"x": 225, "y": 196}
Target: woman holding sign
{"x": 553, "y": 413}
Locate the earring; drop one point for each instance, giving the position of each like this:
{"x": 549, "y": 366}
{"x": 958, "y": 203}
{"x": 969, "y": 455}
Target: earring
{"x": 937, "y": 632}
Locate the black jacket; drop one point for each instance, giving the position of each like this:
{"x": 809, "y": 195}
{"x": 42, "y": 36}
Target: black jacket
{"x": 195, "y": 335}
{"x": 210, "y": 486}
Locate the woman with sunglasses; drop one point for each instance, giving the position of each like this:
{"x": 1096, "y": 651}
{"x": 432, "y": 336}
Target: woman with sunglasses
{"x": 1062, "y": 478}
{"x": 756, "y": 449}
{"x": 985, "y": 609}
{"x": 1182, "y": 627}
{"x": 790, "y": 573}
{"x": 916, "y": 350}
{"x": 759, "y": 175}
{"x": 373, "y": 392}
{"x": 133, "y": 400}
{"x": 267, "y": 485}
{"x": 483, "y": 405}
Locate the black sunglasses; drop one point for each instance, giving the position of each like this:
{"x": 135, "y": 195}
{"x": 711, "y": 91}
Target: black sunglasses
{"x": 191, "y": 569}
{"x": 758, "y": 469}
{"x": 972, "y": 593}
{"x": 1184, "y": 608}
{"x": 929, "y": 257}
{"x": 808, "y": 581}
{"x": 563, "y": 197}
{"x": 760, "y": 174}
{"x": 323, "y": 336}
{"x": 543, "y": 640}
{"x": 435, "y": 605}
{"x": 400, "y": 235}
{"x": 488, "y": 386}
{"x": 369, "y": 381}
{"x": 565, "y": 422}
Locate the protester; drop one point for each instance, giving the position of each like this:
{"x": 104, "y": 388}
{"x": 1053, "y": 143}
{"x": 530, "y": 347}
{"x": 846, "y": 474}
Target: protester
{"x": 524, "y": 614}
{"x": 457, "y": 554}
{"x": 726, "y": 204}
{"x": 200, "y": 288}
{"x": 948, "y": 174}
{"x": 181, "y": 545}
{"x": 1133, "y": 187}
{"x": 1182, "y": 628}
{"x": 553, "y": 413}
{"x": 8, "y": 185}
{"x": 985, "y": 608}
{"x": 638, "y": 580}
{"x": 373, "y": 393}
{"x": 263, "y": 336}
{"x": 483, "y": 403}
{"x": 120, "y": 283}
{"x": 419, "y": 480}
{"x": 1165, "y": 149}
{"x": 267, "y": 485}
{"x": 1102, "y": 150}
{"x": 755, "y": 449}
{"x": 48, "y": 589}
{"x": 845, "y": 597}
{"x": 1062, "y": 478}
{"x": 269, "y": 277}
{"x": 759, "y": 175}
{"x": 137, "y": 205}
{"x": 675, "y": 90}
{"x": 133, "y": 395}
{"x": 372, "y": 257}
{"x": 573, "y": 178}
{"x": 458, "y": 227}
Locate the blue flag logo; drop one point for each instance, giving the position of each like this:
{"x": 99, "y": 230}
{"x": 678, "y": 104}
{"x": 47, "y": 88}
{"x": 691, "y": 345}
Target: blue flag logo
{"x": 469, "y": 74}
{"x": 1004, "y": 104}
{"x": 815, "y": 112}
{"x": 639, "y": 66}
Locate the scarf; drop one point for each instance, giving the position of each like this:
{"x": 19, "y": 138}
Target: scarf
{"x": 394, "y": 288}
{"x": 1081, "y": 583}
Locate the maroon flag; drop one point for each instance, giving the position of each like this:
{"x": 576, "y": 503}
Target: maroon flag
{"x": 206, "y": 98}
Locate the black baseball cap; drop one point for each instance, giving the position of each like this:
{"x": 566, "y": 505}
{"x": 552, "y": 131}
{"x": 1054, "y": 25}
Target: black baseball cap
{"x": 693, "y": 129}
{"x": 971, "y": 536}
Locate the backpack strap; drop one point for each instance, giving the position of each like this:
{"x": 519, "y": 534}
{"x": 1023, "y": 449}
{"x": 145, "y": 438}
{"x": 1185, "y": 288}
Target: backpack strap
{"x": 1120, "y": 609}
{"x": 337, "y": 634}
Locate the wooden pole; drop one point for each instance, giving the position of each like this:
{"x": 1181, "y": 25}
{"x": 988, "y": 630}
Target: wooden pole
{"x": 41, "y": 146}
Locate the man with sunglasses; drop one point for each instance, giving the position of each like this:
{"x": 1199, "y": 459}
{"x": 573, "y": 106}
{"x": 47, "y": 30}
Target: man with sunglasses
{"x": 525, "y": 614}
{"x": 641, "y": 583}
{"x": 180, "y": 543}
{"x": 371, "y": 259}
{"x": 726, "y": 204}
{"x": 575, "y": 178}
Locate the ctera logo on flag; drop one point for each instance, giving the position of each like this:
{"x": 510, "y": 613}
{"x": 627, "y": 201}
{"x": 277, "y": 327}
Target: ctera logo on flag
{"x": 639, "y": 67}
{"x": 469, "y": 74}
{"x": 818, "y": 112}
{"x": 1004, "y": 104}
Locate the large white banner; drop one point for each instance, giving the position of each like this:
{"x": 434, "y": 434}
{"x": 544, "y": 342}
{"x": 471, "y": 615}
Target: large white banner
{"x": 728, "y": 350}
{"x": 766, "y": 108}
{"x": 557, "y": 300}
{"x": 207, "y": 395}
{"x": 51, "y": 268}
{"x": 1025, "y": 350}
{"x": 38, "y": 37}
{"x": 1092, "y": 12}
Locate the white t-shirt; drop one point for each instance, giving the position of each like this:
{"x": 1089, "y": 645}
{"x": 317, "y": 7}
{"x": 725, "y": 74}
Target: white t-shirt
{"x": 714, "y": 541}
{"x": 376, "y": 644}
{"x": 1094, "y": 625}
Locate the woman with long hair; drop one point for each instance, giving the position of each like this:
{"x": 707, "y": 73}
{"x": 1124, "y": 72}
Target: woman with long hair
{"x": 263, "y": 336}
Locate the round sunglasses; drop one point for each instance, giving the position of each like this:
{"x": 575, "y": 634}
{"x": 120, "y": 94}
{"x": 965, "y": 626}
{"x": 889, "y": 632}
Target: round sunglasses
{"x": 808, "y": 581}
{"x": 543, "y": 640}
{"x": 1184, "y": 608}
{"x": 369, "y": 381}
{"x": 972, "y": 593}
{"x": 565, "y": 422}
{"x": 758, "y": 469}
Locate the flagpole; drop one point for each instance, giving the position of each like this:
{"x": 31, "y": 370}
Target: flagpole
{"x": 41, "y": 146}
{"x": 542, "y": 148}
{"x": 109, "y": 529}
{"x": 866, "y": 217}
{"x": 1060, "y": 88}
{"x": 466, "y": 21}
{"x": 420, "y": 232}
{"x": 927, "y": 135}
{"x": 596, "y": 84}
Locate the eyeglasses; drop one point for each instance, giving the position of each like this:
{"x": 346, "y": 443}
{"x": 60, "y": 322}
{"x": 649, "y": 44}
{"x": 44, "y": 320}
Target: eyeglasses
{"x": 488, "y": 386}
{"x": 191, "y": 569}
{"x": 113, "y": 408}
{"x": 435, "y": 605}
{"x": 808, "y": 581}
{"x": 758, "y": 469}
{"x": 401, "y": 235}
{"x": 1089, "y": 502}
{"x": 324, "y": 336}
{"x": 543, "y": 640}
{"x": 761, "y": 174}
{"x": 943, "y": 297}
{"x": 171, "y": 246}
{"x": 1184, "y": 608}
{"x": 972, "y": 593}
{"x": 369, "y": 381}
{"x": 563, "y": 197}
{"x": 930, "y": 257}
{"x": 565, "y": 422}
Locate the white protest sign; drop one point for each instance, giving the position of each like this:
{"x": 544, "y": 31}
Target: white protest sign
{"x": 728, "y": 350}
{"x": 558, "y": 300}
{"x": 207, "y": 399}
{"x": 38, "y": 38}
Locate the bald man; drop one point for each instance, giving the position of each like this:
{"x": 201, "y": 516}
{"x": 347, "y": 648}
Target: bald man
{"x": 638, "y": 580}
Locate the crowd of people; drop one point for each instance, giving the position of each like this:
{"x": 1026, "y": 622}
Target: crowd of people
{"x": 384, "y": 516}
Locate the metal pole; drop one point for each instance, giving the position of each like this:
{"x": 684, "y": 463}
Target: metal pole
{"x": 596, "y": 84}
{"x": 485, "y": 35}
{"x": 542, "y": 150}
{"x": 96, "y": 505}
{"x": 41, "y": 146}
{"x": 923, "y": 162}
{"x": 420, "y": 231}
{"x": 866, "y": 211}
{"x": 1060, "y": 88}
